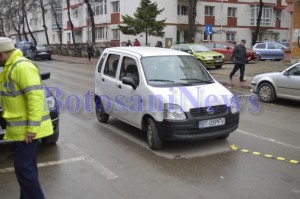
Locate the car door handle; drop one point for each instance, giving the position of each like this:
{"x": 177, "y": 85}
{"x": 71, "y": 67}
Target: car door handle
{"x": 103, "y": 80}
{"x": 119, "y": 86}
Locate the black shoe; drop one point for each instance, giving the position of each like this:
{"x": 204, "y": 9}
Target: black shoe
{"x": 242, "y": 80}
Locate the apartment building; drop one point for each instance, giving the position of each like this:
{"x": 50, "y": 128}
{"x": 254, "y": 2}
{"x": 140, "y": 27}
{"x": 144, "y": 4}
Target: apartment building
{"x": 228, "y": 20}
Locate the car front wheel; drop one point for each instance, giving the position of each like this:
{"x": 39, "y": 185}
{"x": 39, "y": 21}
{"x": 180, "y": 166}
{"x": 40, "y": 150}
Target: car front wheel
{"x": 100, "y": 113}
{"x": 266, "y": 92}
{"x": 153, "y": 137}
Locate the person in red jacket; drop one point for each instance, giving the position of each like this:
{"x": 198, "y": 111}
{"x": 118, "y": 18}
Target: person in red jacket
{"x": 136, "y": 43}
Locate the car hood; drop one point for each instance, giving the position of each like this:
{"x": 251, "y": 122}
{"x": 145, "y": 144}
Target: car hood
{"x": 188, "y": 97}
{"x": 207, "y": 53}
{"x": 270, "y": 75}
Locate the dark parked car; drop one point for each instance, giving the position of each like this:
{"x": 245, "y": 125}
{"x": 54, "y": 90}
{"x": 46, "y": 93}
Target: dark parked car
{"x": 227, "y": 49}
{"x": 42, "y": 52}
{"x": 54, "y": 114}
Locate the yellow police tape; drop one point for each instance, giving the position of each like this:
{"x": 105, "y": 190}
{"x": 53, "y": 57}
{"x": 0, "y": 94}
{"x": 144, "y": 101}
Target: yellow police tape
{"x": 235, "y": 148}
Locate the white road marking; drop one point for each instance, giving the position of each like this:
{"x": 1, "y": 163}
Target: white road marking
{"x": 101, "y": 168}
{"x": 83, "y": 157}
{"x": 49, "y": 163}
{"x": 269, "y": 139}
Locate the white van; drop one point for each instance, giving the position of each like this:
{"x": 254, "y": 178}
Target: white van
{"x": 166, "y": 93}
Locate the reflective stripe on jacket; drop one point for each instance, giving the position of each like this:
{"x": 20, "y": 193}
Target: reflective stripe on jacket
{"x": 23, "y": 99}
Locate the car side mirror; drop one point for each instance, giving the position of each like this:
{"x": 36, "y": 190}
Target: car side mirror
{"x": 129, "y": 81}
{"x": 189, "y": 51}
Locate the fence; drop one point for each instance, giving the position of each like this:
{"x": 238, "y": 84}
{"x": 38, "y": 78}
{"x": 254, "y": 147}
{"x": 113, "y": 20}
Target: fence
{"x": 79, "y": 49}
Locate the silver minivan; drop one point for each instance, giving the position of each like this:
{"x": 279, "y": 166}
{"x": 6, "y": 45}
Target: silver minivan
{"x": 166, "y": 93}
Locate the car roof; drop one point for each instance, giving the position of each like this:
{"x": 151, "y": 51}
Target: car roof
{"x": 146, "y": 51}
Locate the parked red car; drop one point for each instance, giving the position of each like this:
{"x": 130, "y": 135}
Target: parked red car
{"x": 227, "y": 49}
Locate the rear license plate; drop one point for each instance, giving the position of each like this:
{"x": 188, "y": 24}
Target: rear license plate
{"x": 211, "y": 123}
{"x": 219, "y": 60}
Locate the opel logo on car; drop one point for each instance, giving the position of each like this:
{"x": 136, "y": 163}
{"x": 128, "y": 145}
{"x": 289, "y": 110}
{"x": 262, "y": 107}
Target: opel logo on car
{"x": 210, "y": 110}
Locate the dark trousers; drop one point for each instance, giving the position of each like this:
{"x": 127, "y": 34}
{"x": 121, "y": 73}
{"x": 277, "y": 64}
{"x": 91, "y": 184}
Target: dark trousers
{"x": 90, "y": 55}
{"x": 236, "y": 68}
{"x": 26, "y": 170}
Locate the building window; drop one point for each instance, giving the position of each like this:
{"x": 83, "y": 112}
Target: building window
{"x": 116, "y": 33}
{"x": 231, "y": 12}
{"x": 230, "y": 36}
{"x": 182, "y": 10}
{"x": 116, "y": 6}
{"x": 100, "y": 33}
{"x": 75, "y": 14}
{"x": 266, "y": 18}
{"x": 100, "y": 8}
{"x": 69, "y": 36}
{"x": 59, "y": 17}
{"x": 209, "y": 10}
{"x": 33, "y": 22}
{"x": 53, "y": 38}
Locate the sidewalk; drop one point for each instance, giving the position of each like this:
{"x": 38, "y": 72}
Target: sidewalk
{"x": 221, "y": 75}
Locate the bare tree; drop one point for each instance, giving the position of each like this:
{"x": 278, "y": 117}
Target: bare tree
{"x": 192, "y": 13}
{"x": 91, "y": 17}
{"x": 70, "y": 21}
{"x": 42, "y": 5}
{"x": 55, "y": 5}
{"x": 27, "y": 7}
{"x": 254, "y": 39}
{"x": 13, "y": 8}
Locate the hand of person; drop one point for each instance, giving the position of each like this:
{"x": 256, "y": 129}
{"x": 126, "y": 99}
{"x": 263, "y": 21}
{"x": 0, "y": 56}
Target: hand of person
{"x": 29, "y": 137}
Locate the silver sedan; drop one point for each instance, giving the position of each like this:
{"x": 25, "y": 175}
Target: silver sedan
{"x": 285, "y": 84}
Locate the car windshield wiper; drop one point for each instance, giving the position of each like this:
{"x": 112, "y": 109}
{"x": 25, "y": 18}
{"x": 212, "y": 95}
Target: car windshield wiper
{"x": 198, "y": 80}
{"x": 160, "y": 80}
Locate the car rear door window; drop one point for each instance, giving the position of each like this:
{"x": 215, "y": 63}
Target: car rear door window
{"x": 111, "y": 65}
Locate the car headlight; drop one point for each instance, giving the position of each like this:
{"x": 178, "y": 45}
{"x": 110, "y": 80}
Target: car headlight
{"x": 173, "y": 112}
{"x": 234, "y": 105}
{"x": 51, "y": 102}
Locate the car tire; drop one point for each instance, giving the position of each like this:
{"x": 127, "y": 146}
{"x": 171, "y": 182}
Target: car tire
{"x": 258, "y": 57}
{"x": 52, "y": 139}
{"x": 266, "y": 92}
{"x": 153, "y": 137}
{"x": 100, "y": 113}
{"x": 219, "y": 66}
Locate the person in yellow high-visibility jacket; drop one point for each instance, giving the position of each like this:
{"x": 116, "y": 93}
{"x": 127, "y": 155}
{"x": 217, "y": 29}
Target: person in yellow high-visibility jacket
{"x": 26, "y": 113}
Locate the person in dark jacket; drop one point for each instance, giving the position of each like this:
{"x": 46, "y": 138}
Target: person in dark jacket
{"x": 90, "y": 51}
{"x": 239, "y": 59}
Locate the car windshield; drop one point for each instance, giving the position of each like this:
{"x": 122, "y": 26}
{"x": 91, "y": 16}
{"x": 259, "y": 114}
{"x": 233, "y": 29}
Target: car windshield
{"x": 174, "y": 71}
{"x": 200, "y": 48}
{"x": 41, "y": 47}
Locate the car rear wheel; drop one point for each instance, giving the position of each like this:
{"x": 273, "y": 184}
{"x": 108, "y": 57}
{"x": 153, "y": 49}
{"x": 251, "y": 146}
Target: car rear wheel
{"x": 258, "y": 57}
{"x": 266, "y": 92}
{"x": 153, "y": 137}
{"x": 100, "y": 113}
{"x": 219, "y": 66}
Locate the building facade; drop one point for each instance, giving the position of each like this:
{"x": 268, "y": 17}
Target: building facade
{"x": 218, "y": 20}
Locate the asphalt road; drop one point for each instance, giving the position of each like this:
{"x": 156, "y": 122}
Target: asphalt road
{"x": 113, "y": 161}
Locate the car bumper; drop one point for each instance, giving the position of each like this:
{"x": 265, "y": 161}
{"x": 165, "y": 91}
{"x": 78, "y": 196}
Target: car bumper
{"x": 189, "y": 129}
{"x": 43, "y": 56}
{"x": 208, "y": 63}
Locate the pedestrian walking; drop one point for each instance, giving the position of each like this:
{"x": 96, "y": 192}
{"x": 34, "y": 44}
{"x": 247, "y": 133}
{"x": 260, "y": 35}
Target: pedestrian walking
{"x": 33, "y": 51}
{"x": 90, "y": 51}
{"x": 129, "y": 43}
{"x": 26, "y": 112}
{"x": 239, "y": 59}
{"x": 136, "y": 43}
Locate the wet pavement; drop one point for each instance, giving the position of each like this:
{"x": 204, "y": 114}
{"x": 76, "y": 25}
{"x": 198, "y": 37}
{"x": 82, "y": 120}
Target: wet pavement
{"x": 221, "y": 75}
